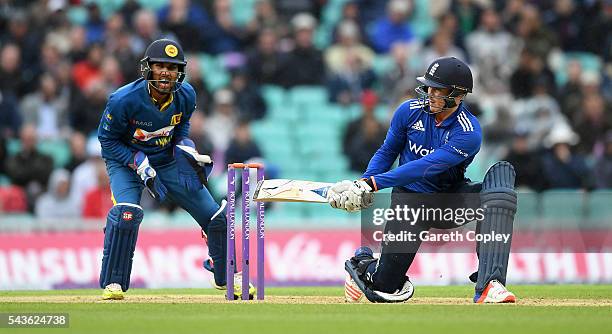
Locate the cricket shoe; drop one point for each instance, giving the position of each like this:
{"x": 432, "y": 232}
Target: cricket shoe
{"x": 113, "y": 291}
{"x": 352, "y": 293}
{"x": 237, "y": 286}
{"x": 495, "y": 292}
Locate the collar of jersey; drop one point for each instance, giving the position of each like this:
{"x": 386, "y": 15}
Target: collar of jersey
{"x": 163, "y": 106}
{"x": 451, "y": 119}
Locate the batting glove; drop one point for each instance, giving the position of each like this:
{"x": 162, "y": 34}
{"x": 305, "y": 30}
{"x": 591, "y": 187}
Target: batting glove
{"x": 337, "y": 195}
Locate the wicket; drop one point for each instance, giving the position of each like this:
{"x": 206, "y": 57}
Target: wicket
{"x": 231, "y": 231}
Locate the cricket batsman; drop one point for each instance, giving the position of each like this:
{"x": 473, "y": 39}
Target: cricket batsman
{"x": 144, "y": 136}
{"x": 436, "y": 138}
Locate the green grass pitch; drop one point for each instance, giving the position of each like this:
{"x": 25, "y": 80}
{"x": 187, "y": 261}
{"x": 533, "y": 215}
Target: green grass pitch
{"x": 541, "y": 309}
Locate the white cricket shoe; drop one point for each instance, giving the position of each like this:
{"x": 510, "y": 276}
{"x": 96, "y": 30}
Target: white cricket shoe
{"x": 352, "y": 293}
{"x": 495, "y": 292}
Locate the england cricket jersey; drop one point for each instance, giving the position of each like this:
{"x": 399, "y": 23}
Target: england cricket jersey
{"x": 432, "y": 157}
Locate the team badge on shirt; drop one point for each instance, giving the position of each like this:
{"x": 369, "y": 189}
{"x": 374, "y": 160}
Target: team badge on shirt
{"x": 176, "y": 119}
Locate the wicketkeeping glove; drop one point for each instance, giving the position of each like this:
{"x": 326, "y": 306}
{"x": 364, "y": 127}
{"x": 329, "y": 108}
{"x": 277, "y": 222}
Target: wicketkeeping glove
{"x": 149, "y": 176}
{"x": 193, "y": 168}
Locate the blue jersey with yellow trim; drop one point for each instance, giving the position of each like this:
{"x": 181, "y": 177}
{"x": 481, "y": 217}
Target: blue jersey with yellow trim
{"x": 132, "y": 122}
{"x": 432, "y": 157}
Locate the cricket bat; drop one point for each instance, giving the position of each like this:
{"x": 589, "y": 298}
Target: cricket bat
{"x": 282, "y": 190}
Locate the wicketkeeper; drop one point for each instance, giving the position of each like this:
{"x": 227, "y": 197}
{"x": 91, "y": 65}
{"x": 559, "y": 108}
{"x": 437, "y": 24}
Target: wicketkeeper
{"x": 436, "y": 138}
{"x": 144, "y": 136}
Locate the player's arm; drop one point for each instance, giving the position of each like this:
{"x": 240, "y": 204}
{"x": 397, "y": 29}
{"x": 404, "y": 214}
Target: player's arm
{"x": 193, "y": 167}
{"x": 339, "y": 194}
{"x": 394, "y": 142}
{"x": 460, "y": 147}
{"x": 113, "y": 126}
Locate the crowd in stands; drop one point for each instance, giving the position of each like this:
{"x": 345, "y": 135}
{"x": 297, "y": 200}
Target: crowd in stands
{"x": 542, "y": 69}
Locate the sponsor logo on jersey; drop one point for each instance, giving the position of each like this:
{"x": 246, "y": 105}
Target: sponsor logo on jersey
{"x": 140, "y": 123}
{"x": 176, "y": 119}
{"x": 419, "y": 149}
{"x": 143, "y": 135}
{"x": 418, "y": 126}
{"x": 459, "y": 151}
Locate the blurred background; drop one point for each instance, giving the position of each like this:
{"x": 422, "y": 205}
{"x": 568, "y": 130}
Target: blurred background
{"x": 308, "y": 88}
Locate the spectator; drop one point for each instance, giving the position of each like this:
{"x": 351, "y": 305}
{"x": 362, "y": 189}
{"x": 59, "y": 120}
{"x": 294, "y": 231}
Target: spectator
{"x": 570, "y": 94}
{"x": 196, "y": 79}
{"x": 98, "y": 200}
{"x": 393, "y": 27}
{"x": 347, "y": 46}
{"x": 78, "y": 44}
{"x": 398, "y": 83}
{"x": 266, "y": 63}
{"x": 78, "y": 151}
{"x": 538, "y": 115}
{"x": 346, "y": 87}
{"x": 86, "y": 71}
{"x": 128, "y": 11}
{"x": 290, "y": 8}
{"x": 449, "y": 23}
{"x": 242, "y": 147}
{"x": 250, "y": 105}
{"x": 564, "y": 169}
{"x": 441, "y": 46}
{"x": 592, "y": 123}
{"x": 3, "y": 154}
{"x": 526, "y": 163}
{"x": 198, "y": 134}
{"x": 187, "y": 21}
{"x": 493, "y": 51}
{"x": 223, "y": 35}
{"x": 566, "y": 20}
{"x": 126, "y": 57}
{"x": 47, "y": 110}
{"x": 95, "y": 25}
{"x": 538, "y": 39}
{"x": 56, "y": 202}
{"x": 603, "y": 165}
{"x": 29, "y": 168}
{"x": 28, "y": 40}
{"x": 305, "y": 62}
{"x": 221, "y": 125}
{"x": 10, "y": 115}
{"x": 366, "y": 131}
{"x": 530, "y": 69}
{"x": 87, "y": 107}
{"x": 146, "y": 31}
{"x": 467, "y": 12}
{"x": 351, "y": 13}
{"x": 84, "y": 177}
{"x": 364, "y": 143}
{"x": 10, "y": 67}
{"x": 265, "y": 17}
{"x": 111, "y": 73}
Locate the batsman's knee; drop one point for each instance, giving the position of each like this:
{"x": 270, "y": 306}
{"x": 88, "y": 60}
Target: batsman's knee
{"x": 498, "y": 187}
